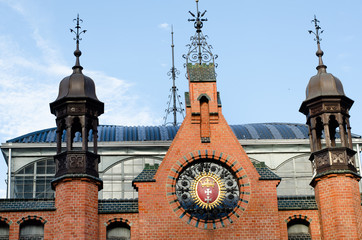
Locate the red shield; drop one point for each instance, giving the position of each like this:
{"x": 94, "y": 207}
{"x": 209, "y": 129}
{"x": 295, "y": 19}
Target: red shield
{"x": 207, "y": 190}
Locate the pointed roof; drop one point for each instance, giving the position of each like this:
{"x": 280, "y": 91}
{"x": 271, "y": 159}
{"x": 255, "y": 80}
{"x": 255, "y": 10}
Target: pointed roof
{"x": 77, "y": 85}
{"x": 323, "y": 83}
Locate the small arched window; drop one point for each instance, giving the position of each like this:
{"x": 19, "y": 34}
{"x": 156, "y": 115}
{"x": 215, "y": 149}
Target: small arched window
{"x": 298, "y": 229}
{"x": 118, "y": 231}
{"x": 4, "y": 231}
{"x": 32, "y": 230}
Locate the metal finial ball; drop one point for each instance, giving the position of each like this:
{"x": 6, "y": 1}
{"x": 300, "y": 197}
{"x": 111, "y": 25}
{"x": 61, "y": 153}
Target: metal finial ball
{"x": 198, "y": 25}
{"x": 77, "y": 53}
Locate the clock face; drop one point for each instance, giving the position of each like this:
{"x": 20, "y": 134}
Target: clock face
{"x": 207, "y": 190}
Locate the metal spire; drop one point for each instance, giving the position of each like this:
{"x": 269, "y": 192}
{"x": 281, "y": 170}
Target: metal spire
{"x": 77, "y": 32}
{"x": 173, "y": 97}
{"x": 321, "y": 67}
{"x": 199, "y": 50}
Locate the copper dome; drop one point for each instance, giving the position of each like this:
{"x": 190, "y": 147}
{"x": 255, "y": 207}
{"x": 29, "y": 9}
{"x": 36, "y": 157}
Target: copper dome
{"x": 324, "y": 84}
{"x": 77, "y": 85}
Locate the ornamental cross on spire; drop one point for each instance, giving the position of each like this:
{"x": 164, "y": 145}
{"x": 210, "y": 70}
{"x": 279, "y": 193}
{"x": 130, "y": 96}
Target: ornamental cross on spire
{"x": 321, "y": 67}
{"x": 77, "y": 31}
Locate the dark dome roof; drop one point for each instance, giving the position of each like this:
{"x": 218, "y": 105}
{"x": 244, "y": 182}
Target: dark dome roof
{"x": 77, "y": 85}
{"x": 324, "y": 84}
{"x": 112, "y": 133}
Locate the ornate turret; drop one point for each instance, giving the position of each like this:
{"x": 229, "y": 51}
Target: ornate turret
{"x": 327, "y": 110}
{"x": 76, "y": 181}
{"x": 335, "y": 179}
{"x": 77, "y": 109}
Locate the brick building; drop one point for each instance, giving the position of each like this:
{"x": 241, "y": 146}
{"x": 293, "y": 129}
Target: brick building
{"x": 202, "y": 180}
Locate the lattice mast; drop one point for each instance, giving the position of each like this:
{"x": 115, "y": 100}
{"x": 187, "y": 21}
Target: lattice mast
{"x": 174, "y": 97}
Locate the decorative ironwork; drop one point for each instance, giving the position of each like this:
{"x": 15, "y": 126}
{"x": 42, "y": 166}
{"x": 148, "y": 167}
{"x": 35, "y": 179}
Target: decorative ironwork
{"x": 317, "y": 29}
{"x": 317, "y": 38}
{"x": 207, "y": 190}
{"x": 174, "y": 97}
{"x": 199, "y": 50}
{"x": 77, "y": 32}
{"x": 77, "y": 28}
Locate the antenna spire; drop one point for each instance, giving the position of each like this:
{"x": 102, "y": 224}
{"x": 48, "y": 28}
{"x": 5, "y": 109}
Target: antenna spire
{"x": 77, "y": 31}
{"x": 199, "y": 50}
{"x": 321, "y": 67}
{"x": 173, "y": 97}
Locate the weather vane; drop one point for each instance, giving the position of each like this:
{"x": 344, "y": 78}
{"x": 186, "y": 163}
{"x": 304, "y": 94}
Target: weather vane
{"x": 199, "y": 50}
{"x": 77, "y": 38}
{"x": 319, "y": 53}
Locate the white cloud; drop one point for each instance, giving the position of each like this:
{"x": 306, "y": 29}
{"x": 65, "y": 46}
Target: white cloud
{"x": 29, "y": 84}
{"x": 164, "y": 26}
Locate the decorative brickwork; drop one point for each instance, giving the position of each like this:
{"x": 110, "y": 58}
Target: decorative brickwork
{"x": 118, "y": 220}
{"x": 118, "y": 206}
{"x": 32, "y": 218}
{"x": 297, "y": 203}
{"x": 300, "y": 216}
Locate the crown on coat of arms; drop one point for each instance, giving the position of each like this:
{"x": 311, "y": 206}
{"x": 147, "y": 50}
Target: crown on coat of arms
{"x": 207, "y": 183}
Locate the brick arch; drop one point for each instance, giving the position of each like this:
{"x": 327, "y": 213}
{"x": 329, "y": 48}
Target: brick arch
{"x": 298, "y": 217}
{"x": 7, "y": 221}
{"x": 42, "y": 220}
{"x": 122, "y": 220}
{"x": 203, "y": 95}
{"x": 228, "y": 160}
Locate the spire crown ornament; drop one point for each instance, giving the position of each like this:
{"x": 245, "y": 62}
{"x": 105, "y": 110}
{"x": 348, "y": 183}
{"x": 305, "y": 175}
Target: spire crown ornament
{"x": 321, "y": 67}
{"x": 77, "y": 31}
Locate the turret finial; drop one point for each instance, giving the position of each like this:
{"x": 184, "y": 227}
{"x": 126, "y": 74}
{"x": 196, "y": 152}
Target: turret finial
{"x": 77, "y": 31}
{"x": 199, "y": 50}
{"x": 321, "y": 67}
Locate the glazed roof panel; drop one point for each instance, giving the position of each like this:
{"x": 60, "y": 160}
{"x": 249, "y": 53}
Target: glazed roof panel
{"x": 113, "y": 133}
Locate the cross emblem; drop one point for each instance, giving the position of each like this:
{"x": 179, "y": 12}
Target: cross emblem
{"x": 208, "y": 191}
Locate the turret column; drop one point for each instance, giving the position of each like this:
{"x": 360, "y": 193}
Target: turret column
{"x": 76, "y": 180}
{"x": 336, "y": 179}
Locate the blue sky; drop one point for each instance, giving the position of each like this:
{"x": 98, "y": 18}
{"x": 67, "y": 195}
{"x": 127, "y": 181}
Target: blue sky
{"x": 266, "y": 57}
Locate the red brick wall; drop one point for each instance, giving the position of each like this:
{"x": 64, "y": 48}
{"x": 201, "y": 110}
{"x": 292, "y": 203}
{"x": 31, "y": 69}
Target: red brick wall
{"x": 159, "y": 220}
{"x": 339, "y": 203}
{"x": 310, "y": 216}
{"x": 77, "y": 209}
{"x": 130, "y": 218}
{"x": 46, "y": 217}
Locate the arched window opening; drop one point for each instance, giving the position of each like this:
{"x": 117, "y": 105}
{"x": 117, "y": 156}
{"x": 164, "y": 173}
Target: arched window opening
{"x": 319, "y": 132}
{"x": 76, "y": 131}
{"x": 61, "y": 136}
{"x": 205, "y": 119}
{"x": 296, "y": 173}
{"x": 333, "y": 129}
{"x": 118, "y": 231}
{"x": 117, "y": 180}
{"x": 298, "y": 229}
{"x": 33, "y": 180}
{"x": 32, "y": 230}
{"x": 4, "y": 231}
{"x": 347, "y": 133}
